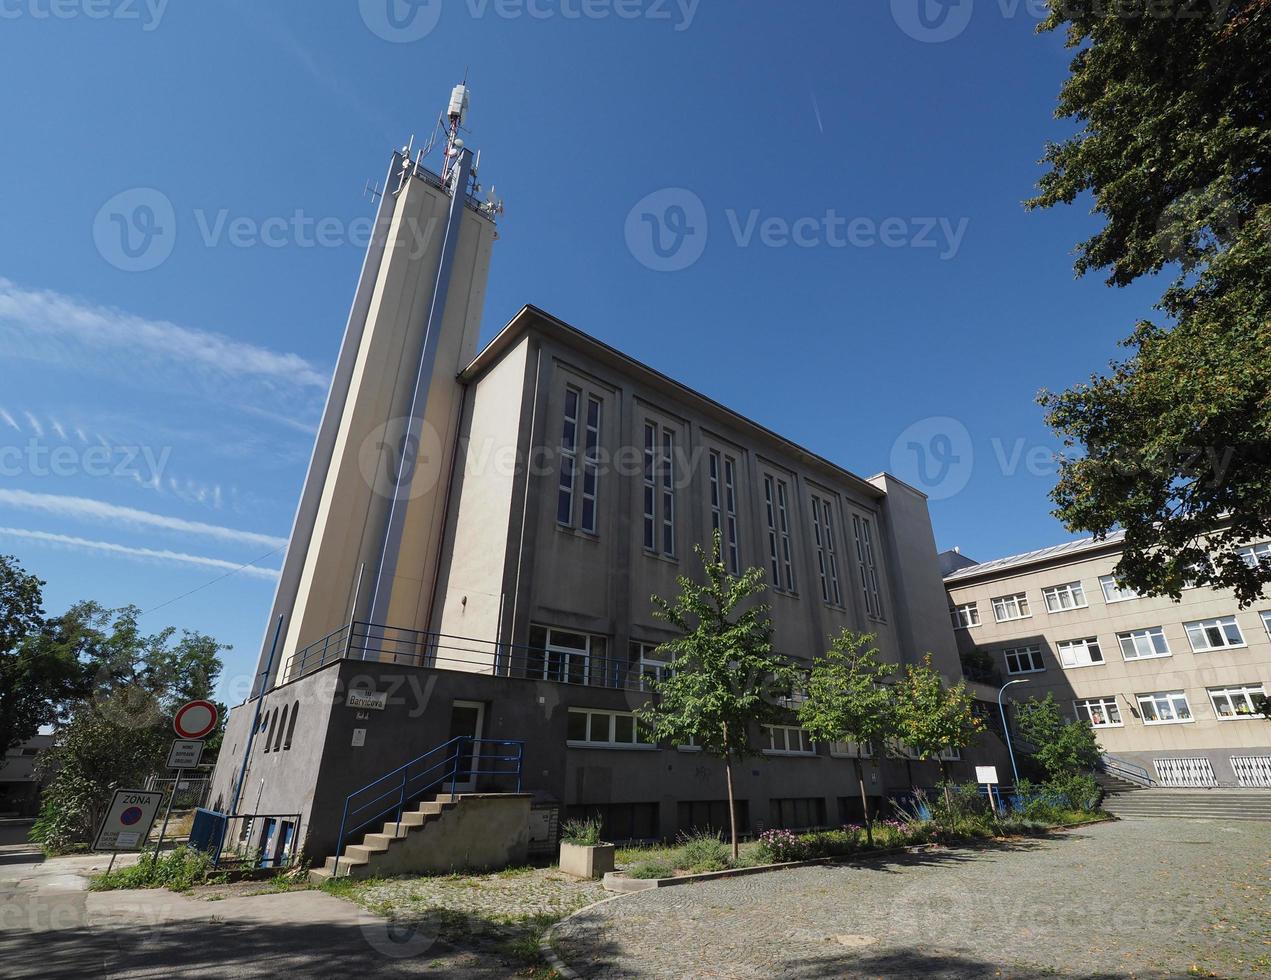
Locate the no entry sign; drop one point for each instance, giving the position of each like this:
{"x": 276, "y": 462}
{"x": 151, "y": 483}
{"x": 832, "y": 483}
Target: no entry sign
{"x": 195, "y": 720}
{"x": 128, "y": 821}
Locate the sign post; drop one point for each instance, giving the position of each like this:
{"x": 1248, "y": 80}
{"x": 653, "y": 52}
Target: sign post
{"x": 128, "y": 820}
{"x": 988, "y": 776}
{"x": 193, "y": 722}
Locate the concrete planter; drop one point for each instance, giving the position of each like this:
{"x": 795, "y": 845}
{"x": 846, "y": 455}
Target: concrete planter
{"x": 585, "y": 860}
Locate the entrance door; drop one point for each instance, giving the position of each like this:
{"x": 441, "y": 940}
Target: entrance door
{"x": 467, "y": 718}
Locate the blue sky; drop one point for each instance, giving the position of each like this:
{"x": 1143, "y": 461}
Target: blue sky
{"x": 836, "y": 187}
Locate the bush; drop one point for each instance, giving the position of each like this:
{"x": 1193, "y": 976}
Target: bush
{"x": 778, "y": 846}
{"x": 178, "y": 870}
{"x": 585, "y": 833}
{"x": 653, "y": 868}
{"x": 1080, "y": 791}
{"x": 703, "y": 851}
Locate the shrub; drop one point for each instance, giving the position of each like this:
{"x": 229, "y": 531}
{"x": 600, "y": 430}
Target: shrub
{"x": 653, "y": 868}
{"x": 1079, "y": 790}
{"x": 703, "y": 851}
{"x": 778, "y": 846}
{"x": 178, "y": 870}
{"x": 585, "y": 833}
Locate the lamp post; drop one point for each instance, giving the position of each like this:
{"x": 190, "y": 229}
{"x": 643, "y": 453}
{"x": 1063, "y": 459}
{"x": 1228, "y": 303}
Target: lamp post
{"x": 1006, "y": 727}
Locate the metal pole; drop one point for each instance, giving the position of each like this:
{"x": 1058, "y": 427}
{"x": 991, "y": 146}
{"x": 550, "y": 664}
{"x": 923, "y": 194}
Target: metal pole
{"x": 251, "y": 738}
{"x": 1006, "y": 728}
{"x": 166, "y": 814}
{"x": 110, "y": 867}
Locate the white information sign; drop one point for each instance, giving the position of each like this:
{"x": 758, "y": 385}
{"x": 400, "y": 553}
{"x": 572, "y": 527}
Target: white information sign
{"x": 359, "y": 737}
{"x": 185, "y": 753}
{"x": 128, "y": 821}
{"x": 986, "y": 774}
{"x": 374, "y": 700}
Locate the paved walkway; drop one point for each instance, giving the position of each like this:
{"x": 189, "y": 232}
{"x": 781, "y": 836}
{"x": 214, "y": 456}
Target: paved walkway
{"x": 1138, "y": 898}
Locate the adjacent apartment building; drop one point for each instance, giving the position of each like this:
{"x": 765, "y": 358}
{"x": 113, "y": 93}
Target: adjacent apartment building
{"x": 1171, "y": 687}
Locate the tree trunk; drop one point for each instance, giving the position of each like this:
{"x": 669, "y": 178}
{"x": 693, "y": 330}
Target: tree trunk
{"x": 869, "y": 824}
{"x": 944, "y": 780}
{"x": 732, "y": 804}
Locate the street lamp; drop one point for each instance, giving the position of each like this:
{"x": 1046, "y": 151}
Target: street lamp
{"x": 1006, "y": 726}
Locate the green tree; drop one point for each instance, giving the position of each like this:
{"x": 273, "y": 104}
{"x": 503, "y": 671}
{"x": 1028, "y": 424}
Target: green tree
{"x": 848, "y": 700}
{"x": 723, "y": 675}
{"x": 931, "y": 717}
{"x": 119, "y": 735}
{"x": 39, "y": 673}
{"x": 1062, "y": 748}
{"x": 1173, "y": 444}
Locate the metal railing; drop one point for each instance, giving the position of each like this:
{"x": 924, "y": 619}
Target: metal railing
{"x": 416, "y": 648}
{"x": 1124, "y": 769}
{"x": 460, "y": 759}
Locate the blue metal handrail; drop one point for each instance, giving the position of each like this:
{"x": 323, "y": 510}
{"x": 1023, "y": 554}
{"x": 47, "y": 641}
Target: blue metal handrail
{"x": 460, "y": 758}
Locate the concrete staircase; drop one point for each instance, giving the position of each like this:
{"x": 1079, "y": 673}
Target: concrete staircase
{"x": 450, "y": 833}
{"x": 1111, "y": 784}
{"x": 1214, "y": 804}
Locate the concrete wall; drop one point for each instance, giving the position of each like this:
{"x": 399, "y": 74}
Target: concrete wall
{"x": 1194, "y": 673}
{"x": 480, "y": 833}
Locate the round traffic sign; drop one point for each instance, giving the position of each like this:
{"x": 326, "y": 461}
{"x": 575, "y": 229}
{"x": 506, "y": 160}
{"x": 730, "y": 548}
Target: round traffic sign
{"x": 195, "y": 720}
{"x": 130, "y": 816}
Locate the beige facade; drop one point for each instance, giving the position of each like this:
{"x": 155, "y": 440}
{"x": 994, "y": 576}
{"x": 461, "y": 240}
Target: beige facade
{"x": 1169, "y": 686}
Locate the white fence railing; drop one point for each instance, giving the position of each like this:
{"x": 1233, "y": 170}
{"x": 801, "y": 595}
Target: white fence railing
{"x": 1252, "y": 770}
{"x": 1185, "y": 773}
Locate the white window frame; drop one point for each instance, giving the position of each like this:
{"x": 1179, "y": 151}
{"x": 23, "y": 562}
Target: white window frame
{"x": 1070, "y": 592}
{"x": 659, "y": 489}
{"x": 1201, "y": 628}
{"x": 850, "y": 750}
{"x": 1109, "y": 707}
{"x": 1256, "y": 553}
{"x": 867, "y": 565}
{"x": 591, "y": 465}
{"x": 1113, "y": 592}
{"x": 965, "y": 615}
{"x": 568, "y": 475}
{"x": 1170, "y": 699}
{"x": 566, "y": 656}
{"x": 1148, "y": 633}
{"x": 1266, "y": 621}
{"x": 1036, "y": 665}
{"x": 608, "y": 724}
{"x": 789, "y": 734}
{"x": 648, "y": 665}
{"x": 1017, "y": 601}
{"x": 723, "y": 501}
{"x": 826, "y": 553}
{"x": 1245, "y": 692}
{"x": 1080, "y": 651}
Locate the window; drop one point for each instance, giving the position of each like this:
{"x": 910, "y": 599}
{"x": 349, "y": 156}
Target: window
{"x": 710, "y": 815}
{"x": 659, "y": 489}
{"x": 1114, "y": 591}
{"x": 648, "y": 664}
{"x": 776, "y": 495}
{"x": 1266, "y": 621}
{"x": 1100, "y": 712}
{"x": 850, "y": 750}
{"x": 797, "y": 814}
{"x": 826, "y": 555}
{"x": 965, "y": 616}
{"x": 279, "y": 728}
{"x": 619, "y": 821}
{"x": 1164, "y": 708}
{"x": 611, "y": 729}
{"x": 568, "y": 459}
{"x": 1214, "y": 634}
{"x": 567, "y": 657}
{"x": 723, "y": 479}
{"x": 867, "y": 565}
{"x": 1008, "y": 607}
{"x": 1143, "y": 644}
{"x": 1243, "y": 701}
{"x": 788, "y": 740}
{"x": 1256, "y": 553}
{"x": 1080, "y": 653}
{"x": 1061, "y": 597}
{"x": 291, "y": 726}
{"x": 1024, "y": 660}
{"x": 591, "y": 466}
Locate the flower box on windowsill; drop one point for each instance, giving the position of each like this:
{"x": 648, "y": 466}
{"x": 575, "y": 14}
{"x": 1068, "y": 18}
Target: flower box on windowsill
{"x": 586, "y": 860}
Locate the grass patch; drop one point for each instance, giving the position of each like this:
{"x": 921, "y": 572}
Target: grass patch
{"x": 178, "y": 870}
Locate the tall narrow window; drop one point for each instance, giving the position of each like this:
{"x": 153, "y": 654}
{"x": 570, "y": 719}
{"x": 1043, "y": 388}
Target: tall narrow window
{"x": 780, "y": 551}
{"x": 568, "y": 459}
{"x": 659, "y": 489}
{"x": 591, "y": 465}
{"x": 826, "y": 558}
{"x": 723, "y": 497}
{"x": 863, "y": 532}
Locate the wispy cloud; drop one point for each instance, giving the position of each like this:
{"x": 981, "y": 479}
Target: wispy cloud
{"x": 144, "y": 554}
{"x": 86, "y": 509}
{"x": 34, "y": 423}
{"x": 9, "y": 420}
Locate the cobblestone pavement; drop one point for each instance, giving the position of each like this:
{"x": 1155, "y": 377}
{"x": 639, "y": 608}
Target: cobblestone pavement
{"x": 1137, "y": 898}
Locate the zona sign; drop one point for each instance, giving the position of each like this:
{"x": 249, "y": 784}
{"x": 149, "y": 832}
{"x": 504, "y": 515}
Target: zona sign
{"x": 195, "y": 720}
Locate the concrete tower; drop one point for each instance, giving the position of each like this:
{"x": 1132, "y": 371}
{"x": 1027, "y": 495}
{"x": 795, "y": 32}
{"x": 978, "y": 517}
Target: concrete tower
{"x": 365, "y": 540}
